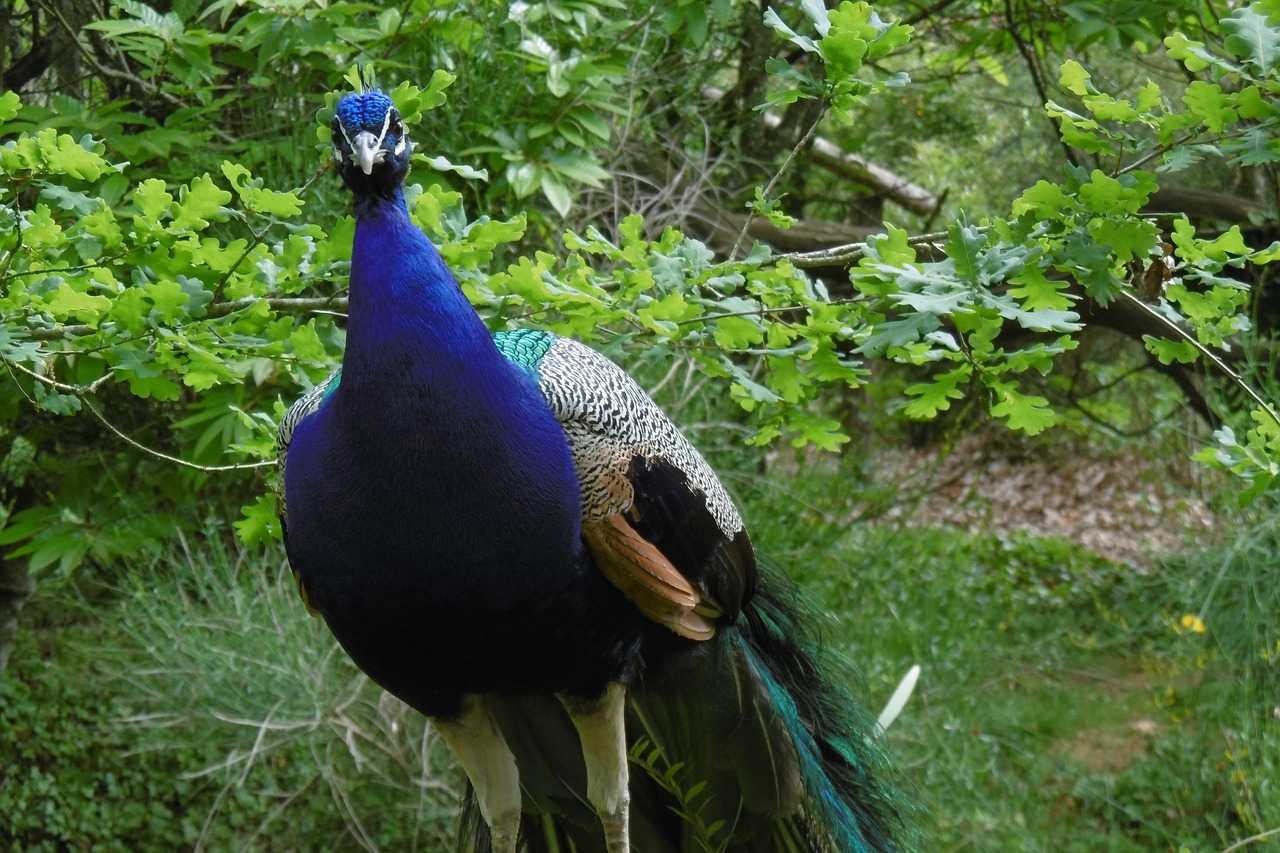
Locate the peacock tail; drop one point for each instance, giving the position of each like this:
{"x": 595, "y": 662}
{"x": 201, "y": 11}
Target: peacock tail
{"x": 756, "y": 745}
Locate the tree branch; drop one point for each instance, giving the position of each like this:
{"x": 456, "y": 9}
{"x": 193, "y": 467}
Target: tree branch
{"x": 835, "y": 159}
{"x": 78, "y": 390}
{"x": 286, "y": 304}
{"x": 208, "y": 469}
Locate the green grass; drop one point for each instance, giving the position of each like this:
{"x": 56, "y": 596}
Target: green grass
{"x": 205, "y": 691}
{"x": 1063, "y": 705}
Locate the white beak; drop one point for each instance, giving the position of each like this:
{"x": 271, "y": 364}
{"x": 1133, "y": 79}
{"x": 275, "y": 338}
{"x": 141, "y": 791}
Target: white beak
{"x": 367, "y": 148}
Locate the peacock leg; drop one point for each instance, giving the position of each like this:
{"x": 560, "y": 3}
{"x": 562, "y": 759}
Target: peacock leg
{"x": 478, "y": 745}
{"x": 601, "y": 726}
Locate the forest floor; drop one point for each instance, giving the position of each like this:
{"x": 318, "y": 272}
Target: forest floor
{"x": 1128, "y": 505}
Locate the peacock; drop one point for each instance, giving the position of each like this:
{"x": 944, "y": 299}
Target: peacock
{"x": 504, "y": 531}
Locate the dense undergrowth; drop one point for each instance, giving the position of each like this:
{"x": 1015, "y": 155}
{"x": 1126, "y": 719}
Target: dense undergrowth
{"x": 1066, "y": 702}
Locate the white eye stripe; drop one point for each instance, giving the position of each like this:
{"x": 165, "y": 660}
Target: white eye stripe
{"x": 342, "y": 128}
{"x": 386, "y": 125}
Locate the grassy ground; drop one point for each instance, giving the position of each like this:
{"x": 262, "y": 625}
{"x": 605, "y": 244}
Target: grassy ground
{"x": 1066, "y": 702}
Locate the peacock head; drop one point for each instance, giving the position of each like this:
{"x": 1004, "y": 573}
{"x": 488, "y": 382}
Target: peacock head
{"x": 370, "y": 145}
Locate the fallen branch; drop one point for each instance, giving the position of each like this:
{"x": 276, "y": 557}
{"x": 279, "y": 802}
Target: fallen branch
{"x": 835, "y": 159}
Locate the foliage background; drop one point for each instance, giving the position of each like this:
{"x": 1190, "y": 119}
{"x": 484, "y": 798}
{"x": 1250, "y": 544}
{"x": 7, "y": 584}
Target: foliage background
{"x": 173, "y": 258}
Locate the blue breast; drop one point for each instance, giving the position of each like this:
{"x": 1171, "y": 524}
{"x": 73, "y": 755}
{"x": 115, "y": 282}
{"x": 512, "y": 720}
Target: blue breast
{"x": 434, "y": 511}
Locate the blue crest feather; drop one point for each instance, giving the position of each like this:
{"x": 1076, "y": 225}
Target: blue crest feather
{"x": 365, "y": 110}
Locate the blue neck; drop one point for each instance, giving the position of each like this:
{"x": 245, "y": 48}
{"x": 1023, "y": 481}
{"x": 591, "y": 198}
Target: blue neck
{"x": 409, "y": 321}
{"x": 425, "y": 392}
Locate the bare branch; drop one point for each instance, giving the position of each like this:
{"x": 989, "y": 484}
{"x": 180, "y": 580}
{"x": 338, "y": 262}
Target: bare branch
{"x": 852, "y": 252}
{"x": 79, "y": 390}
{"x": 283, "y": 304}
{"x": 208, "y": 469}
{"x": 835, "y": 159}
{"x": 1221, "y": 366}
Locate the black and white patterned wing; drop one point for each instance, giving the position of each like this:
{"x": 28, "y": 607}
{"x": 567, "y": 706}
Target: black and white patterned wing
{"x": 658, "y": 521}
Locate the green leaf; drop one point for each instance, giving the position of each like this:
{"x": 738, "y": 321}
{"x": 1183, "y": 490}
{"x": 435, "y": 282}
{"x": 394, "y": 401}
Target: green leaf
{"x": 1251, "y": 103}
{"x": 1208, "y": 103}
{"x": 823, "y": 432}
{"x": 54, "y": 401}
{"x": 843, "y": 51}
{"x": 1037, "y": 292}
{"x": 579, "y": 167}
{"x": 67, "y": 303}
{"x": 1045, "y": 200}
{"x": 893, "y": 248}
{"x": 1123, "y": 196}
{"x": 1169, "y": 352}
{"x": 255, "y": 198}
{"x": 200, "y": 201}
{"x": 441, "y": 164}
{"x": 738, "y": 333}
{"x": 805, "y": 43}
{"x": 40, "y": 229}
{"x": 1251, "y": 38}
{"x": 168, "y": 300}
{"x": 1130, "y": 238}
{"x": 786, "y": 378}
{"x": 964, "y": 246}
{"x": 898, "y": 333}
{"x": 306, "y": 343}
{"x": 670, "y": 307}
{"x": 66, "y": 156}
{"x": 10, "y": 103}
{"x": 1253, "y": 148}
{"x": 936, "y": 396}
{"x": 1074, "y": 78}
{"x": 1029, "y": 413}
{"x": 152, "y": 199}
{"x": 259, "y": 522}
{"x": 941, "y": 298}
{"x": 1189, "y": 52}
{"x": 556, "y": 193}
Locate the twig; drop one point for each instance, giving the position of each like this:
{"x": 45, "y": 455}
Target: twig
{"x": 216, "y": 309}
{"x": 253, "y": 244}
{"x": 149, "y": 89}
{"x": 208, "y": 469}
{"x": 773, "y": 182}
{"x": 1037, "y": 78}
{"x": 79, "y": 390}
{"x": 258, "y": 235}
{"x": 851, "y": 252}
{"x": 1261, "y": 836}
{"x": 1218, "y": 363}
{"x": 128, "y": 77}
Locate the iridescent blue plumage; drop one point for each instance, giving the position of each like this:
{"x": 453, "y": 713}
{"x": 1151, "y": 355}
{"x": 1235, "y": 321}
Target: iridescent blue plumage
{"x": 369, "y": 110}
{"x": 505, "y": 532}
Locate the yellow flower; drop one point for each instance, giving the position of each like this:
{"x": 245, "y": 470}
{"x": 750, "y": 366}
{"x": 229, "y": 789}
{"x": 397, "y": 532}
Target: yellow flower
{"x": 1193, "y": 623}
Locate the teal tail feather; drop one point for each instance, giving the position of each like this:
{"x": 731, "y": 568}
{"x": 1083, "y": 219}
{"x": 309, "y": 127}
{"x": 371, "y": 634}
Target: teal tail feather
{"x": 751, "y": 742}
{"x": 854, "y": 801}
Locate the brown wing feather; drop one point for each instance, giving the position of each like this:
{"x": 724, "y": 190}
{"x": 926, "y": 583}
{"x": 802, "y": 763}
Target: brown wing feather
{"x": 647, "y": 577}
